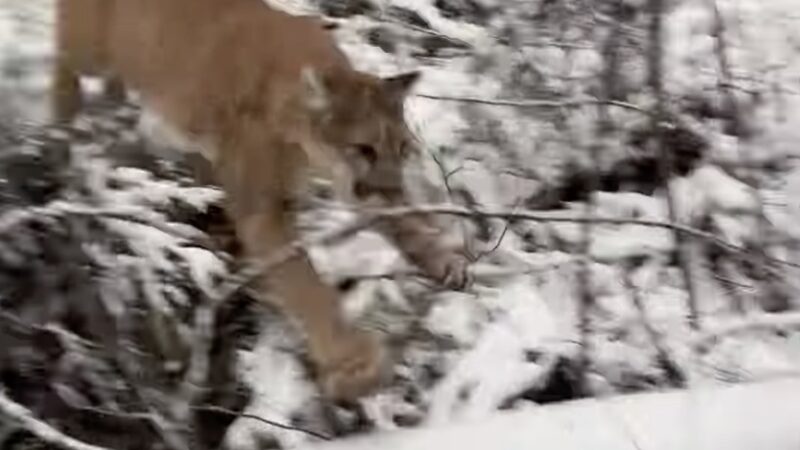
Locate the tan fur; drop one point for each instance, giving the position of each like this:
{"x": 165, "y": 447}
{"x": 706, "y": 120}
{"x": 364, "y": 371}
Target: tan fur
{"x": 276, "y": 102}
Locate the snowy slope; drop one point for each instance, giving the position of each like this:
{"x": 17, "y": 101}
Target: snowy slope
{"x": 755, "y": 416}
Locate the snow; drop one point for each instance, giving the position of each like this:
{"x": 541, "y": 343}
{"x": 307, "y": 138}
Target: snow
{"x": 495, "y": 369}
{"x": 759, "y": 415}
{"x": 482, "y": 339}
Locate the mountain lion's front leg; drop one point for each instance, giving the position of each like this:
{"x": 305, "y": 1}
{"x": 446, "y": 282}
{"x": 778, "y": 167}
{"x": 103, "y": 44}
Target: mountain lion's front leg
{"x": 426, "y": 245}
{"x": 350, "y": 362}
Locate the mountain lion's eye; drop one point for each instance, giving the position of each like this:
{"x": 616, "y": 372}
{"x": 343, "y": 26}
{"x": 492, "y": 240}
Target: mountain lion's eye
{"x": 367, "y": 152}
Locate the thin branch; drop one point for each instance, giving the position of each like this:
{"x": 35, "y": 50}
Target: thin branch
{"x": 390, "y": 20}
{"x": 269, "y": 422}
{"x": 500, "y": 238}
{"x": 724, "y": 274}
{"x": 674, "y": 373}
{"x": 40, "y": 429}
{"x": 196, "y": 377}
{"x": 515, "y": 103}
{"x": 482, "y": 273}
{"x": 290, "y": 251}
{"x": 446, "y": 175}
{"x": 496, "y": 244}
{"x": 557, "y": 44}
{"x": 430, "y": 32}
{"x": 760, "y": 322}
{"x": 386, "y": 214}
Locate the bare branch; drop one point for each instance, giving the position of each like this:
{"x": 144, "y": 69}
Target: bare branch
{"x": 40, "y": 429}
{"x": 370, "y": 217}
{"x": 514, "y": 103}
{"x": 392, "y": 21}
{"x": 387, "y": 214}
{"x": 196, "y": 378}
{"x": 446, "y": 175}
{"x": 760, "y": 322}
{"x": 269, "y": 422}
{"x": 674, "y": 374}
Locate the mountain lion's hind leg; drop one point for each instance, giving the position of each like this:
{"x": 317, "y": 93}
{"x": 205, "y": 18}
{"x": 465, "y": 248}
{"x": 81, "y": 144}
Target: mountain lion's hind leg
{"x": 114, "y": 90}
{"x": 66, "y": 98}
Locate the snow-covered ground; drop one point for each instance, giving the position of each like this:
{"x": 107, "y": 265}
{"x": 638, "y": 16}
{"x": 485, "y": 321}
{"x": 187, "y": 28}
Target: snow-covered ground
{"x": 466, "y": 355}
{"x": 689, "y": 420}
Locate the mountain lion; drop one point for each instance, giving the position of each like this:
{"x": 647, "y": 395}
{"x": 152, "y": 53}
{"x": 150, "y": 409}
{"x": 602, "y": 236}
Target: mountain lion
{"x": 271, "y": 102}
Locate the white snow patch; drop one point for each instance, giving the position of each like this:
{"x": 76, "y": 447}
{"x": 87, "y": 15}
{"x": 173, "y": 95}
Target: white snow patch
{"x": 280, "y": 386}
{"x": 496, "y": 368}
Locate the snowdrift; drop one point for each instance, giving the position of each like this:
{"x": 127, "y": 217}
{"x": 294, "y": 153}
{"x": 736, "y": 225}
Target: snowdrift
{"x": 755, "y": 416}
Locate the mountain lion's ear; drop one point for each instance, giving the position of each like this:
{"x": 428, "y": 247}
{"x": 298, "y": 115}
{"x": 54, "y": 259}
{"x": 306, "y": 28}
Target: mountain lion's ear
{"x": 400, "y": 85}
{"x": 316, "y": 94}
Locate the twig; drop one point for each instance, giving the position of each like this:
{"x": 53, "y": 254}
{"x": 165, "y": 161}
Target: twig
{"x": 390, "y": 20}
{"x": 674, "y": 374}
{"x": 286, "y": 253}
{"x": 196, "y": 376}
{"x": 513, "y": 103}
{"x": 480, "y": 272}
{"x": 496, "y": 244}
{"x": 446, "y": 174}
{"x": 500, "y": 238}
{"x": 386, "y": 214}
{"x": 39, "y": 428}
{"x": 269, "y": 422}
{"x": 655, "y": 63}
{"x": 557, "y": 44}
{"x": 731, "y": 282}
{"x": 430, "y": 32}
{"x": 765, "y": 321}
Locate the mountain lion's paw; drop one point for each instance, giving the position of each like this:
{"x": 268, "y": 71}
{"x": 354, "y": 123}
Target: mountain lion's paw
{"x": 359, "y": 367}
{"x": 455, "y": 272}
